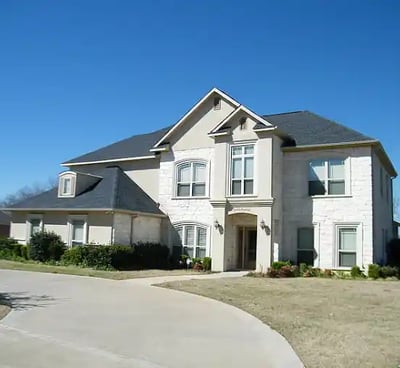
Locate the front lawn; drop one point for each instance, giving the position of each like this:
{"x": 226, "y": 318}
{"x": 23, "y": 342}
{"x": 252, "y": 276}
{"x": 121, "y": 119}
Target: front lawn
{"x": 330, "y": 323}
{"x": 81, "y": 271}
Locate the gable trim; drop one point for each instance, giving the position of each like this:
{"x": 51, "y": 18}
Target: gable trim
{"x": 242, "y": 108}
{"x": 190, "y": 112}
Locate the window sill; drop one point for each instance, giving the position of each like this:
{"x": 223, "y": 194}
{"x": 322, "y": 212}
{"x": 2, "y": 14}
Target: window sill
{"x": 242, "y": 196}
{"x": 190, "y": 198}
{"x": 331, "y": 196}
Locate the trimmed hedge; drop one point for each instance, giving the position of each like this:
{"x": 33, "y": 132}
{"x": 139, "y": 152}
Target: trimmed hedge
{"x": 119, "y": 257}
{"x": 10, "y": 249}
{"x": 46, "y": 246}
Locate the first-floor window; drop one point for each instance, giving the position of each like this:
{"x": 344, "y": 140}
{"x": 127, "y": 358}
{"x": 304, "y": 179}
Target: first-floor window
{"x": 35, "y": 226}
{"x": 77, "y": 231}
{"x": 347, "y": 237}
{"x": 194, "y": 240}
{"x": 305, "y": 245}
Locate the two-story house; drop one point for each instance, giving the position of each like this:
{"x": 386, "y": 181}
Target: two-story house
{"x": 224, "y": 182}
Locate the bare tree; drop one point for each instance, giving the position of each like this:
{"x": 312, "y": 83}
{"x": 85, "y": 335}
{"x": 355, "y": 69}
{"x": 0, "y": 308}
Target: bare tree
{"x": 27, "y": 192}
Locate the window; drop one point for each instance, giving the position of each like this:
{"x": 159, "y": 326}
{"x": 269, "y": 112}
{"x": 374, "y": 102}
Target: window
{"x": 194, "y": 239}
{"x": 347, "y": 246}
{"x": 35, "y": 225}
{"x": 305, "y": 245}
{"x": 326, "y": 177}
{"x": 217, "y": 103}
{"x": 242, "y": 169}
{"x": 191, "y": 179}
{"x": 77, "y": 230}
{"x": 66, "y": 186}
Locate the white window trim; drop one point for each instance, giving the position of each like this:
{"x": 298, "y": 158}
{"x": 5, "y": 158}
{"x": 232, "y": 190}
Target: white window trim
{"x": 347, "y": 178}
{"x": 207, "y": 178}
{"x": 72, "y": 218}
{"x": 359, "y": 245}
{"x": 29, "y": 224}
{"x": 230, "y": 161}
{"x": 196, "y": 224}
{"x": 62, "y": 178}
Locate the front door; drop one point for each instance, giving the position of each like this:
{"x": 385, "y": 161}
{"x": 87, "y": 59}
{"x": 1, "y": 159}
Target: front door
{"x": 247, "y": 241}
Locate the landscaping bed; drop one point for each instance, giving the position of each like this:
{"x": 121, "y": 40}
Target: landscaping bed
{"x": 329, "y": 322}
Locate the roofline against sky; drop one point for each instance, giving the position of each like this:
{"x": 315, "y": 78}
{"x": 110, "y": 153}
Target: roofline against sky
{"x": 373, "y": 142}
{"x": 184, "y": 117}
{"x": 107, "y": 210}
{"x": 134, "y": 158}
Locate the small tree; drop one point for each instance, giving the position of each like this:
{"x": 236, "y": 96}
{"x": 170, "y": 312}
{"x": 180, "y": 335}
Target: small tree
{"x": 46, "y": 246}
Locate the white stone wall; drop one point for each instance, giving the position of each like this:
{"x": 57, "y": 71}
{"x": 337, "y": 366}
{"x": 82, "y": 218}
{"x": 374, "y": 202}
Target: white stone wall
{"x": 300, "y": 210}
{"x": 184, "y": 210}
{"x": 146, "y": 229}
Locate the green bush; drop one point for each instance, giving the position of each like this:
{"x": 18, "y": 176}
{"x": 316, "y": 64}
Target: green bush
{"x": 389, "y": 271}
{"x": 25, "y": 252}
{"x": 303, "y": 268}
{"x": 151, "y": 255}
{"x": 119, "y": 257}
{"x": 286, "y": 270}
{"x": 46, "y": 246}
{"x": 277, "y": 265}
{"x": 207, "y": 263}
{"x": 374, "y": 271}
{"x": 356, "y": 272}
{"x": 10, "y": 249}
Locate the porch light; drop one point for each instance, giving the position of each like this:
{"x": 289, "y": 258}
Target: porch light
{"x": 262, "y": 224}
{"x": 216, "y": 224}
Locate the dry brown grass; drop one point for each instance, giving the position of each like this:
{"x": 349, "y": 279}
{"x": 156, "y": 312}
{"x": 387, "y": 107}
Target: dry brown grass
{"x": 330, "y": 323}
{"x": 80, "y": 271}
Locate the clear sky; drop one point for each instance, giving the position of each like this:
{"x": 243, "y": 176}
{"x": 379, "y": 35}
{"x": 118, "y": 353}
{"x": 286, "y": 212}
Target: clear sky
{"x": 78, "y": 75}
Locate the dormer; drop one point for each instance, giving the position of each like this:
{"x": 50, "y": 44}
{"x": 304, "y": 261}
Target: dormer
{"x": 72, "y": 183}
{"x": 67, "y": 184}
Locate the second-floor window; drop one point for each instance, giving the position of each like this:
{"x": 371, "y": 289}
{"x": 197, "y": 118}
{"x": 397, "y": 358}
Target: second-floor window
{"x": 326, "y": 177}
{"x": 191, "y": 179}
{"x": 242, "y": 169}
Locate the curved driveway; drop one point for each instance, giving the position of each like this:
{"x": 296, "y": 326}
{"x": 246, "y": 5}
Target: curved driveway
{"x": 68, "y": 321}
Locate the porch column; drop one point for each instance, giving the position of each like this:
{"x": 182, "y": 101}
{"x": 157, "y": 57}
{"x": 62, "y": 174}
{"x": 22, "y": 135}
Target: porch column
{"x": 218, "y": 238}
{"x": 264, "y": 244}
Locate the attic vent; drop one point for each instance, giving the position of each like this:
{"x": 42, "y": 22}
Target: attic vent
{"x": 217, "y": 103}
{"x": 242, "y": 123}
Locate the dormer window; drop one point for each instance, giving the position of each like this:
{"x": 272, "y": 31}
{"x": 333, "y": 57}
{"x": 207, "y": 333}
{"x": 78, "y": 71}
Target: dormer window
{"x": 66, "y": 186}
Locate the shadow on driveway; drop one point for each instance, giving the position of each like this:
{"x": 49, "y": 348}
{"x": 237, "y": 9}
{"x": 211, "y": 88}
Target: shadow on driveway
{"x": 23, "y": 300}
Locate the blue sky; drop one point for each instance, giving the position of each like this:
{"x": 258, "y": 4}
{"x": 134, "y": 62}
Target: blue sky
{"x": 78, "y": 75}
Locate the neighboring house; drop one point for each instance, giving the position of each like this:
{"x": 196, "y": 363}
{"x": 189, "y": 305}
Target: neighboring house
{"x": 4, "y": 224}
{"x": 224, "y": 182}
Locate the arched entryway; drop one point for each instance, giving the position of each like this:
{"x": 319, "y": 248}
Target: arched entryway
{"x": 243, "y": 230}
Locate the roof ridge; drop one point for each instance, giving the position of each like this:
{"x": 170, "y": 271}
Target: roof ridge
{"x": 286, "y": 113}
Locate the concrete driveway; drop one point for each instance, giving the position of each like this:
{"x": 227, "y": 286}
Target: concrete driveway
{"x": 68, "y": 321}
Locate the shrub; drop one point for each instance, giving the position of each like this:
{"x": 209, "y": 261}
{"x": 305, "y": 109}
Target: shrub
{"x": 10, "y": 249}
{"x": 25, "y": 252}
{"x": 198, "y": 267}
{"x": 277, "y": 265}
{"x": 374, "y": 271}
{"x": 288, "y": 271}
{"x": 207, "y": 263}
{"x": 303, "y": 268}
{"x": 75, "y": 256}
{"x": 356, "y": 272}
{"x": 327, "y": 273}
{"x": 151, "y": 255}
{"x": 45, "y": 246}
{"x": 389, "y": 271}
{"x": 272, "y": 272}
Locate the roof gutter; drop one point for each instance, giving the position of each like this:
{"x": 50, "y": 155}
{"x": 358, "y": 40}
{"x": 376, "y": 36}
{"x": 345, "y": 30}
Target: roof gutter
{"x": 135, "y": 158}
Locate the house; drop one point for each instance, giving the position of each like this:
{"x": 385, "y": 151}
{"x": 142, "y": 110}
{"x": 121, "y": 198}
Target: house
{"x": 225, "y": 182}
{"x": 4, "y": 224}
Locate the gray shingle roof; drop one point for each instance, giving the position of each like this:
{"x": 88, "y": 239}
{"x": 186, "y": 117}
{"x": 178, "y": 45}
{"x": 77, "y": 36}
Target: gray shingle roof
{"x": 135, "y": 146}
{"x": 307, "y": 128}
{"x": 114, "y": 191}
{"x": 4, "y": 218}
